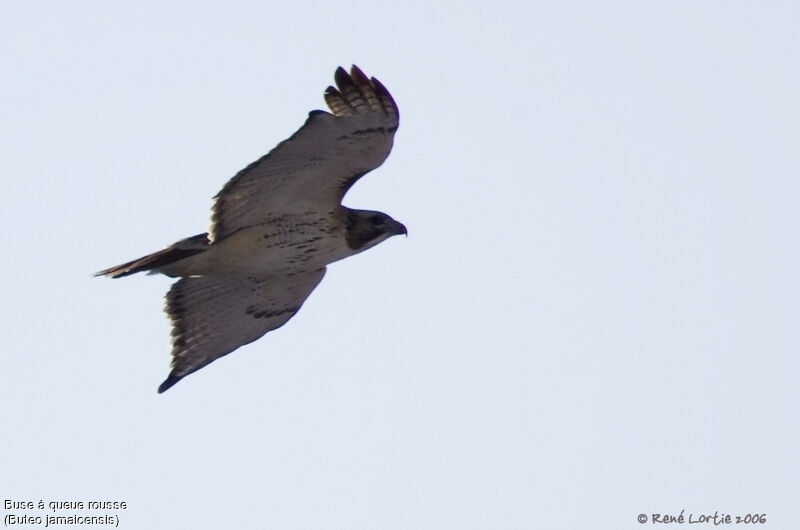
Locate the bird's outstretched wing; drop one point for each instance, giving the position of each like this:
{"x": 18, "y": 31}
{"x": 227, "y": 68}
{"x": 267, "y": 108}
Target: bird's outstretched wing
{"x": 314, "y": 168}
{"x": 212, "y": 316}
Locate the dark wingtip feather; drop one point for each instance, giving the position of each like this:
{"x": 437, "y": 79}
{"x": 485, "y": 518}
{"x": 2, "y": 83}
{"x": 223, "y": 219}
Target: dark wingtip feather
{"x": 355, "y": 93}
{"x": 379, "y": 88}
{"x": 385, "y": 97}
{"x": 358, "y": 76}
{"x": 169, "y": 382}
{"x": 342, "y": 78}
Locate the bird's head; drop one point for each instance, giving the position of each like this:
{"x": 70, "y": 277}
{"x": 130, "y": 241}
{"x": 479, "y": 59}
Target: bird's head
{"x": 366, "y": 228}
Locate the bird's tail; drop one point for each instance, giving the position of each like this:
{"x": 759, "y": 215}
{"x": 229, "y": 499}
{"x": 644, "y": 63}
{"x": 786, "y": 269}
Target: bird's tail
{"x": 152, "y": 262}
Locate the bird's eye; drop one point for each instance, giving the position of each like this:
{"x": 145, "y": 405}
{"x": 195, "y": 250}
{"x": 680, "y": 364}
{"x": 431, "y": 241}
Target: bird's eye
{"x": 377, "y": 220}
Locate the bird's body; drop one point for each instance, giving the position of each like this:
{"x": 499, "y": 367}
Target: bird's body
{"x": 276, "y": 226}
{"x": 278, "y": 246}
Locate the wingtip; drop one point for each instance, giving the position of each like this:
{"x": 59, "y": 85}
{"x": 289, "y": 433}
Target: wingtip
{"x": 358, "y": 75}
{"x": 169, "y": 382}
{"x": 341, "y": 77}
{"x": 386, "y": 99}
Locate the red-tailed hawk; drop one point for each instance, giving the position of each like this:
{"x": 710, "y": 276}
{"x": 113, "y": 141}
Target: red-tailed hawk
{"x": 275, "y": 227}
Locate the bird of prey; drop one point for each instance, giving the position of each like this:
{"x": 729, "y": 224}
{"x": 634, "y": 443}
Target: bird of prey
{"x": 275, "y": 226}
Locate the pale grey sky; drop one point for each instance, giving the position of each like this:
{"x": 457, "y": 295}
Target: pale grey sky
{"x": 595, "y": 314}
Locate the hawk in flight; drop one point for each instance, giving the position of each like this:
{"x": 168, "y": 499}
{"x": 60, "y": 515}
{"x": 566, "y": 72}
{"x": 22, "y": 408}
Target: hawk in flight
{"x": 275, "y": 226}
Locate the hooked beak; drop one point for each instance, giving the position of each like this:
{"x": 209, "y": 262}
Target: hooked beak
{"x": 399, "y": 228}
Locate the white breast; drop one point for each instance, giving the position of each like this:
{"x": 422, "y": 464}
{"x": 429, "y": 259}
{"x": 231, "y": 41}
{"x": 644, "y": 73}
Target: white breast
{"x": 286, "y": 244}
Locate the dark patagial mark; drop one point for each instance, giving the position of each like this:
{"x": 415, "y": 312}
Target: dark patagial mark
{"x": 269, "y": 313}
{"x": 364, "y": 132}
